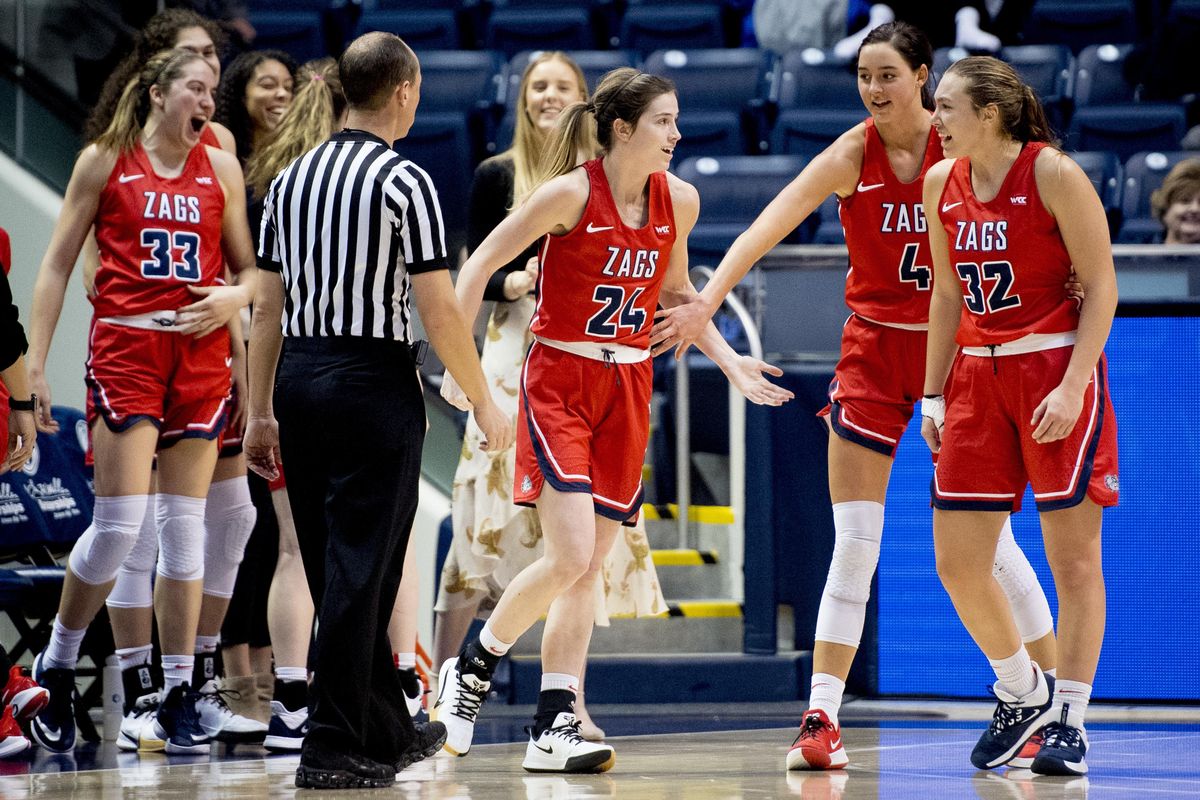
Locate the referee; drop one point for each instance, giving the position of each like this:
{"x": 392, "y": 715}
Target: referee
{"x": 351, "y": 227}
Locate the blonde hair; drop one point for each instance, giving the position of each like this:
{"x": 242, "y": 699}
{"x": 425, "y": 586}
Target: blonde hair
{"x": 133, "y": 108}
{"x": 529, "y": 140}
{"x": 623, "y": 93}
{"x": 316, "y": 105}
{"x": 1181, "y": 184}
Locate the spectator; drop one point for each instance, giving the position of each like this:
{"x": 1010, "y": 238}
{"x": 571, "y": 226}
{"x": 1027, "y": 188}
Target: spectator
{"x": 1177, "y": 203}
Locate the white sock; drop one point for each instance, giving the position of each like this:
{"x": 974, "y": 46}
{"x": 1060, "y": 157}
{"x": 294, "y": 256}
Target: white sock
{"x": 63, "y": 650}
{"x": 207, "y": 644}
{"x": 825, "y": 694}
{"x": 560, "y": 680}
{"x": 1070, "y": 702}
{"x": 177, "y": 670}
{"x": 291, "y": 674}
{"x": 491, "y": 643}
{"x": 1015, "y": 673}
{"x": 405, "y": 660}
{"x": 133, "y": 656}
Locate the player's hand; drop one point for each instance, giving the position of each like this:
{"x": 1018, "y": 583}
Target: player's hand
{"x": 22, "y": 436}
{"x": 1075, "y": 289}
{"x": 522, "y": 282}
{"x": 933, "y": 420}
{"x": 261, "y": 446}
{"x": 216, "y": 307}
{"x": 1056, "y": 415}
{"x": 41, "y": 415}
{"x": 497, "y": 428}
{"x": 679, "y": 327}
{"x": 453, "y": 394}
{"x": 747, "y": 377}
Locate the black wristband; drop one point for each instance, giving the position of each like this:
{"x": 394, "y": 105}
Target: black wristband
{"x": 23, "y": 405}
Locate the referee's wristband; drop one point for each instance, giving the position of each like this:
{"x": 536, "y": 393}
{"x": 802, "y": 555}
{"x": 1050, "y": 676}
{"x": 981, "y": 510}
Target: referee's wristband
{"x": 23, "y": 405}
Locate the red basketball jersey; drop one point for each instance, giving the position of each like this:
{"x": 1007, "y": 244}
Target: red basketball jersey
{"x": 1009, "y": 256}
{"x": 600, "y": 281}
{"x": 157, "y": 235}
{"x": 209, "y": 137}
{"x": 891, "y": 272}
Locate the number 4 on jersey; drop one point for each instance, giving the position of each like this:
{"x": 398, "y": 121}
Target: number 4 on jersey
{"x": 602, "y": 324}
{"x": 910, "y": 272}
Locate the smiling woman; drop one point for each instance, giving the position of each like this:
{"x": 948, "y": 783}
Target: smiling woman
{"x": 254, "y": 96}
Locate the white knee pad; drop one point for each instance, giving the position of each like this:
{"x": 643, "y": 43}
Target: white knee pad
{"x": 133, "y": 588}
{"x": 228, "y": 522}
{"x": 99, "y": 553}
{"x": 180, "y": 537}
{"x": 859, "y": 527}
{"x": 1012, "y": 570}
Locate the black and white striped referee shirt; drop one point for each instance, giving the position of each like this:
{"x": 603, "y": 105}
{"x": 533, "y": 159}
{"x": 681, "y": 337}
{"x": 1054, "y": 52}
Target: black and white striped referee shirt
{"x": 346, "y": 224}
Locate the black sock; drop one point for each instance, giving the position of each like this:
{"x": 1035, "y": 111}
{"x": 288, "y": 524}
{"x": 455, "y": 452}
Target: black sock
{"x": 476, "y": 660}
{"x": 551, "y": 703}
{"x": 292, "y": 694}
{"x": 206, "y": 667}
{"x": 409, "y": 680}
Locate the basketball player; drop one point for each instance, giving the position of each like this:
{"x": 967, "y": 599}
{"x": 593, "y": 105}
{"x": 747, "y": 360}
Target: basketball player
{"x": 615, "y": 244}
{"x": 1026, "y": 400}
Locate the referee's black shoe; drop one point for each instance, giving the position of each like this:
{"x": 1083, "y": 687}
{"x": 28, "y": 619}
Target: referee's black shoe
{"x": 430, "y": 738}
{"x": 323, "y": 768}
{"x": 1013, "y": 722}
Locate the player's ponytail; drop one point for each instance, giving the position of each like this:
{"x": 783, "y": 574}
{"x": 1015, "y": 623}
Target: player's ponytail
{"x": 622, "y": 94}
{"x": 990, "y": 81}
{"x": 133, "y": 108}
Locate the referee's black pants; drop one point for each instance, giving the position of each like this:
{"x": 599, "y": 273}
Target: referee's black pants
{"x": 351, "y": 425}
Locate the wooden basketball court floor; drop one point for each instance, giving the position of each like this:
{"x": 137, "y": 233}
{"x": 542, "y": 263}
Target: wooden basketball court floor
{"x": 709, "y": 753}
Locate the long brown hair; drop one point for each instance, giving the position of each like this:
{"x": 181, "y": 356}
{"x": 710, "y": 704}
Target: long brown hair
{"x": 316, "y": 106}
{"x": 912, "y": 45}
{"x": 623, "y": 93}
{"x": 990, "y": 81}
{"x": 528, "y": 139}
{"x": 133, "y": 109}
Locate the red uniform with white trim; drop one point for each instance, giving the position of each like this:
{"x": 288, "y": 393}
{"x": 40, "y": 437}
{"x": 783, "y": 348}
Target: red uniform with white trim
{"x": 1017, "y": 338}
{"x": 156, "y": 237}
{"x": 585, "y": 389}
{"x": 881, "y": 372}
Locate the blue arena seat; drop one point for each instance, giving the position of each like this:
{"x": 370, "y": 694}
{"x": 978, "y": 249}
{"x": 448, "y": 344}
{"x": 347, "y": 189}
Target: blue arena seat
{"x": 816, "y": 79}
{"x": 713, "y": 79}
{"x": 594, "y": 63}
{"x": 1144, "y": 172}
{"x": 458, "y": 80}
{"x": 295, "y": 32}
{"x": 1127, "y": 129}
{"x": 1048, "y": 68}
{"x": 1079, "y": 23}
{"x": 646, "y": 28}
{"x": 513, "y": 30}
{"x": 943, "y": 57}
{"x": 1106, "y": 173}
{"x": 829, "y": 228}
{"x": 709, "y": 133}
{"x": 1099, "y": 76}
{"x": 804, "y": 132}
{"x": 439, "y": 143}
{"x": 421, "y": 29}
{"x": 288, "y": 5}
{"x": 733, "y": 192}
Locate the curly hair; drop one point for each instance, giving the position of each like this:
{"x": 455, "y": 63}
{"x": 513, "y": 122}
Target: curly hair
{"x": 231, "y": 95}
{"x": 1181, "y": 185}
{"x": 159, "y": 34}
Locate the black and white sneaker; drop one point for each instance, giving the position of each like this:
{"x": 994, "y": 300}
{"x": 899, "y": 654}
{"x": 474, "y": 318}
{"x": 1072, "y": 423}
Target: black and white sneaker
{"x": 54, "y": 727}
{"x": 1063, "y": 749}
{"x": 221, "y": 723}
{"x": 460, "y": 695}
{"x": 560, "y": 748}
{"x": 1013, "y": 722}
{"x": 178, "y": 723}
{"x": 287, "y": 729}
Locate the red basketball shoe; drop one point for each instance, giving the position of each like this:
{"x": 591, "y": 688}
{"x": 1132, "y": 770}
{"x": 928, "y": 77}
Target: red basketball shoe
{"x": 819, "y": 745}
{"x": 23, "y": 694}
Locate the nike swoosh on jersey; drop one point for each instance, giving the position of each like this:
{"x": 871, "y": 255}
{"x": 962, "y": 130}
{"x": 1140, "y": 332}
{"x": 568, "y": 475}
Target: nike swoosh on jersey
{"x": 593, "y": 229}
{"x": 123, "y": 178}
{"x": 947, "y": 206}
{"x": 862, "y": 188}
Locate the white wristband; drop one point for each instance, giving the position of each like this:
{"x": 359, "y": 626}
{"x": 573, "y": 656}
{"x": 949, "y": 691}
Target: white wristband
{"x": 935, "y": 409}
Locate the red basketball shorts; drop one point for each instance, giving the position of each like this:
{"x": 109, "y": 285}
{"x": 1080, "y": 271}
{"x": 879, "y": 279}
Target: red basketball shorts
{"x": 988, "y": 454}
{"x": 582, "y": 426}
{"x": 878, "y": 379}
{"x": 179, "y": 383}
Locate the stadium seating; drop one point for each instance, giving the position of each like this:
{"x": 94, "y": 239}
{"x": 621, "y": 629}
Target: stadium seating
{"x": 439, "y": 142}
{"x": 295, "y": 32}
{"x": 1079, "y": 23}
{"x": 1099, "y": 77}
{"x": 802, "y": 132}
{"x": 421, "y": 29}
{"x": 734, "y": 191}
{"x": 1104, "y": 170}
{"x": 458, "y": 80}
{"x": 816, "y": 79}
{"x": 1127, "y": 129}
{"x": 514, "y": 30}
{"x": 594, "y": 63}
{"x": 1144, "y": 172}
{"x": 646, "y": 28}
{"x": 1050, "y": 70}
{"x": 829, "y": 227}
